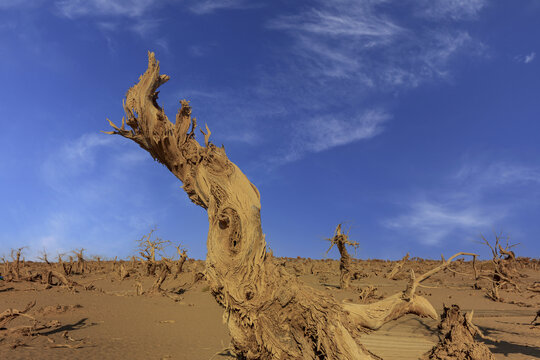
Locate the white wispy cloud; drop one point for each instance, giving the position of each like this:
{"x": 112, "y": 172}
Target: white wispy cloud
{"x": 340, "y": 18}
{"x": 526, "y": 59}
{"x": 478, "y": 198}
{"x": 22, "y": 4}
{"x": 432, "y": 222}
{"x": 343, "y": 52}
{"x": 452, "y": 9}
{"x": 529, "y": 58}
{"x": 203, "y": 7}
{"x": 326, "y": 132}
{"x": 136, "y": 16}
{"x": 91, "y": 179}
{"x": 496, "y": 174}
{"x": 357, "y": 40}
{"x": 333, "y": 38}
{"x": 77, "y": 8}
{"x": 78, "y": 157}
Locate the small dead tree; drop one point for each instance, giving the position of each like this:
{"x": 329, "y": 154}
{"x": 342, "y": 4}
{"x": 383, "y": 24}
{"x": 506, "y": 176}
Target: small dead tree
{"x": 397, "y": 267}
{"x": 149, "y": 248}
{"x": 123, "y": 273}
{"x": 44, "y": 257}
{"x": 165, "y": 271}
{"x": 6, "y": 266}
{"x": 504, "y": 263}
{"x": 341, "y": 241}
{"x": 182, "y": 256}
{"x": 16, "y": 259}
{"x": 81, "y": 263}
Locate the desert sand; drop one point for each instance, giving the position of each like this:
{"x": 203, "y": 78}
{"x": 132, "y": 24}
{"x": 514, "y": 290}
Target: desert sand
{"x": 102, "y": 317}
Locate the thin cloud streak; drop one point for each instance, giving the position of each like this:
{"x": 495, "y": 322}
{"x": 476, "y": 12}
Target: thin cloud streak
{"x": 326, "y": 132}
{"x": 433, "y": 222}
{"x": 130, "y": 8}
{"x": 452, "y": 9}
{"x": 203, "y": 7}
{"x": 464, "y": 206}
{"x": 342, "y": 39}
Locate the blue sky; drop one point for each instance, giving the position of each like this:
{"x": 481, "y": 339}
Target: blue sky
{"x": 415, "y": 122}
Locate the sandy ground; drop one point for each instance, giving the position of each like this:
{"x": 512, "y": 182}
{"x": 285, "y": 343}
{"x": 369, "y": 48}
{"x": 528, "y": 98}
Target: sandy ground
{"x": 112, "y": 322}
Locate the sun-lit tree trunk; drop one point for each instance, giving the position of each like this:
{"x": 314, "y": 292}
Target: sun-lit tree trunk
{"x": 270, "y": 314}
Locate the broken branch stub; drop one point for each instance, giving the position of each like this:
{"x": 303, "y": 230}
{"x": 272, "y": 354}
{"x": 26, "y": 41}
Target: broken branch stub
{"x": 270, "y": 314}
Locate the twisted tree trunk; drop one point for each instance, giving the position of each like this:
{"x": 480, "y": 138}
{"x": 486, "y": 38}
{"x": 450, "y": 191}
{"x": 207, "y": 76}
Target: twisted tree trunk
{"x": 270, "y": 314}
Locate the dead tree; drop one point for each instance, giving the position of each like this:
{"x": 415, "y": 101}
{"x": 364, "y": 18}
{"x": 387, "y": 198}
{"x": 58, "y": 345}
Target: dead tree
{"x": 16, "y": 259}
{"x": 6, "y": 266}
{"x": 182, "y": 253}
{"x": 81, "y": 263}
{"x": 341, "y": 241}
{"x": 397, "y": 267}
{"x": 148, "y": 250}
{"x": 165, "y": 271}
{"x": 504, "y": 272}
{"x": 270, "y": 313}
{"x": 44, "y": 257}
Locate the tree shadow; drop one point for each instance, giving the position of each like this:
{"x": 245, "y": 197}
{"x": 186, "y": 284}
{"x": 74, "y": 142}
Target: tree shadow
{"x": 429, "y": 329}
{"x": 505, "y": 347}
{"x": 70, "y": 327}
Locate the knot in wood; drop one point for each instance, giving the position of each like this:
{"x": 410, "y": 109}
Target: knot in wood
{"x": 229, "y": 222}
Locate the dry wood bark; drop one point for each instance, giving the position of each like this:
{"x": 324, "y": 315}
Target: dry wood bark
{"x": 270, "y": 314}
